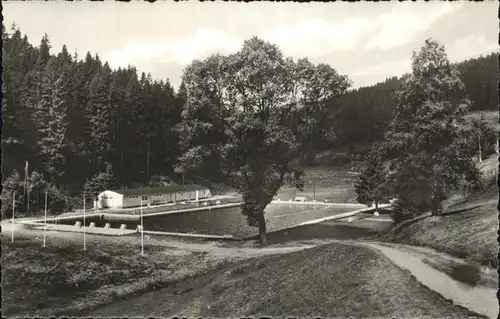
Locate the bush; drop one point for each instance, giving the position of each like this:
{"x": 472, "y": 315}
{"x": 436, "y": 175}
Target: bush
{"x": 486, "y": 256}
{"x": 101, "y": 181}
{"x": 58, "y": 200}
{"x": 12, "y": 184}
{"x": 403, "y": 210}
{"x": 489, "y": 179}
{"x": 74, "y": 202}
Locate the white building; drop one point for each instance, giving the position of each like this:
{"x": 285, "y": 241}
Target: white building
{"x": 149, "y": 196}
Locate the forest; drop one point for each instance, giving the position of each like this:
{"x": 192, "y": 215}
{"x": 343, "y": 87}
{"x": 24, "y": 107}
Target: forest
{"x": 81, "y": 126}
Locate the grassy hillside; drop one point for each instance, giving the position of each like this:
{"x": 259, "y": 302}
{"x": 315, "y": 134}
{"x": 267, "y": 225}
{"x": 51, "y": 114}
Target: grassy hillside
{"x": 334, "y": 183}
{"x": 490, "y": 116}
{"x": 36, "y": 280}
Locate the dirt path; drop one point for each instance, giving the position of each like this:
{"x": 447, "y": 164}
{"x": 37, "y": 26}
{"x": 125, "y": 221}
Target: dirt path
{"x": 215, "y": 250}
{"x": 489, "y": 275}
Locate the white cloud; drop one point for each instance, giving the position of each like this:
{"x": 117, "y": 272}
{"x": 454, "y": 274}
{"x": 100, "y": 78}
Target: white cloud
{"x": 310, "y": 38}
{"x": 317, "y": 37}
{"x": 393, "y": 68}
{"x": 205, "y": 42}
{"x": 405, "y": 20}
{"x": 471, "y": 46}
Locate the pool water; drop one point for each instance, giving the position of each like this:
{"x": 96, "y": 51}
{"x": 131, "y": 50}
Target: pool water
{"x": 230, "y": 221}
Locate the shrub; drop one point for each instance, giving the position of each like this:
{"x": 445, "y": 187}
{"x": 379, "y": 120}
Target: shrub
{"x": 114, "y": 295}
{"x": 403, "y": 210}
{"x": 12, "y": 184}
{"x": 486, "y": 256}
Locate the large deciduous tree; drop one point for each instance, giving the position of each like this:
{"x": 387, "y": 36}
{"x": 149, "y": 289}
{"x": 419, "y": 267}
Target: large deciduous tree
{"x": 427, "y": 137}
{"x": 250, "y": 116}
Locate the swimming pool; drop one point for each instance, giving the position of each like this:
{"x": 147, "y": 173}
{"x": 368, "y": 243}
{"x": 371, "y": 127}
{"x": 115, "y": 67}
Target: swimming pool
{"x": 230, "y": 221}
{"x": 221, "y": 221}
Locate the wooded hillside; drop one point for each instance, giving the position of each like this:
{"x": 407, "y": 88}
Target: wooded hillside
{"x": 78, "y": 122}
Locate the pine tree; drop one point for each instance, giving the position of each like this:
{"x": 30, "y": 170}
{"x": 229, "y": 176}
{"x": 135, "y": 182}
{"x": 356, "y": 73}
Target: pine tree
{"x": 12, "y": 185}
{"x": 373, "y": 183}
{"x": 12, "y": 130}
{"x": 100, "y": 115}
{"x": 37, "y": 187}
{"x": 100, "y": 182}
{"x": 19, "y": 57}
{"x": 427, "y": 139}
{"x": 166, "y": 144}
{"x": 35, "y": 82}
{"x": 50, "y": 114}
{"x": 130, "y": 157}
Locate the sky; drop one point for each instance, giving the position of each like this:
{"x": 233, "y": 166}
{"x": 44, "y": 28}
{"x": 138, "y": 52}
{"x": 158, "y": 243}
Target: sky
{"x": 366, "y": 41}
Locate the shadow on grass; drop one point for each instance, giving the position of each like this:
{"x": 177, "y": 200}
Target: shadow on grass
{"x": 319, "y": 231}
{"x": 469, "y": 274}
{"x": 458, "y": 211}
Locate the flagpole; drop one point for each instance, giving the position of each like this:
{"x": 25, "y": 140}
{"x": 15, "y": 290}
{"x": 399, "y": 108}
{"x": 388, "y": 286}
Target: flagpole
{"x": 13, "y": 211}
{"x": 142, "y": 232}
{"x": 27, "y": 189}
{"x": 84, "y": 236}
{"x": 314, "y": 191}
{"x": 45, "y": 221}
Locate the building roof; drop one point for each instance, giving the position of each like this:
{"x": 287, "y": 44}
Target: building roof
{"x": 157, "y": 190}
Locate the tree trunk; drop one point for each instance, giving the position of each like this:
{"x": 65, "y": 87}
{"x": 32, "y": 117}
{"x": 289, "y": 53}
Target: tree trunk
{"x": 435, "y": 208}
{"x": 262, "y": 229}
{"x": 148, "y": 163}
{"x": 480, "y": 156}
{"x": 376, "y": 206}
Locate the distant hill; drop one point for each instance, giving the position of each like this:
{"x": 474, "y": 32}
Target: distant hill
{"x": 363, "y": 114}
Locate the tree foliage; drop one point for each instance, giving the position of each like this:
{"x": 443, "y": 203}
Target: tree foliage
{"x": 12, "y": 189}
{"x": 251, "y": 115}
{"x": 427, "y": 138}
{"x": 103, "y": 180}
